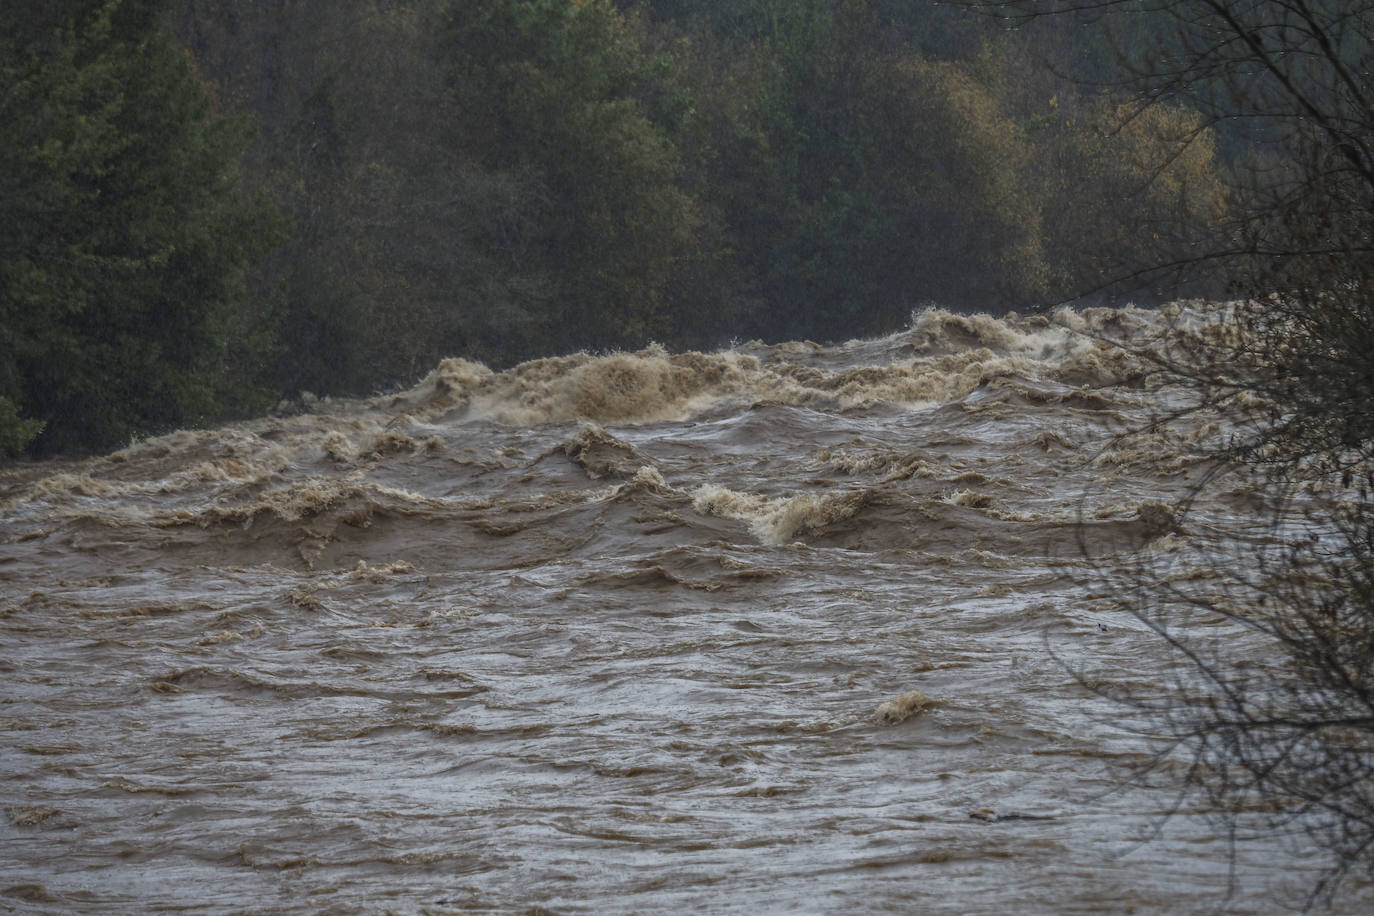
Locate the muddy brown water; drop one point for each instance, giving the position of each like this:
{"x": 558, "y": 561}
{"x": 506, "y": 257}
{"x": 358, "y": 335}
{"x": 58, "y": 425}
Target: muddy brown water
{"x": 776, "y": 629}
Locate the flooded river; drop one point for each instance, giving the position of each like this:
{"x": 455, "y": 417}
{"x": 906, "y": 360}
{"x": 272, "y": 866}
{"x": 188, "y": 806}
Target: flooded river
{"x": 775, "y": 629}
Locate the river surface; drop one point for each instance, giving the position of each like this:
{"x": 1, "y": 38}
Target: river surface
{"x": 777, "y": 629}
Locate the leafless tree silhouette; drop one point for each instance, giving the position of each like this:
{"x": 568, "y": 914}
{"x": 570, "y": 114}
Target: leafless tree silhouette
{"x": 1274, "y": 728}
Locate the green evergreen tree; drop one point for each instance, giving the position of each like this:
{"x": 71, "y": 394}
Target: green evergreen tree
{"x": 122, "y": 308}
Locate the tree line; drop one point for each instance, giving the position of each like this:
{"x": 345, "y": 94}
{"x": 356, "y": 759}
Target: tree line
{"x": 212, "y": 206}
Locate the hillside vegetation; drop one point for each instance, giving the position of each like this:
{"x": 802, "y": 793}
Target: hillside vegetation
{"x": 212, "y": 206}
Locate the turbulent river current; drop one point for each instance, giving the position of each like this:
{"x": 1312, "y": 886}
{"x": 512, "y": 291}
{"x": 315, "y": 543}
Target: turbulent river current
{"x": 782, "y": 628}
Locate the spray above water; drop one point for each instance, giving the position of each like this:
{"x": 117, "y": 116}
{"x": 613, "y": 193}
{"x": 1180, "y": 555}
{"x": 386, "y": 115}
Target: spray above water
{"x": 941, "y": 359}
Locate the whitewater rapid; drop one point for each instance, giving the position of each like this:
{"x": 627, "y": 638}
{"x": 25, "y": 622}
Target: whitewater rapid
{"x": 787, "y": 628}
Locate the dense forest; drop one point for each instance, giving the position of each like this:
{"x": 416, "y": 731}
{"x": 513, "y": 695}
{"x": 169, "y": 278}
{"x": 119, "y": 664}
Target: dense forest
{"x": 213, "y": 206}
